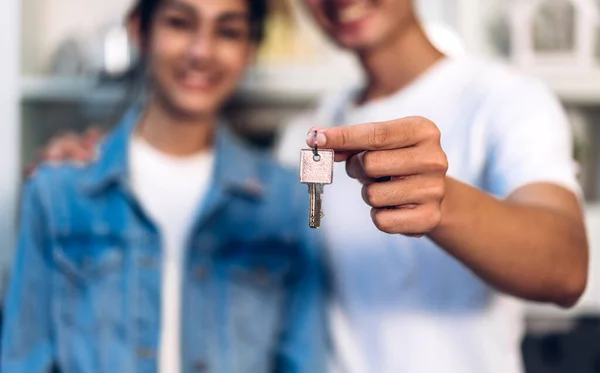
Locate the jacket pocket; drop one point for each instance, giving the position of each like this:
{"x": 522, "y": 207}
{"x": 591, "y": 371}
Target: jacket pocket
{"x": 257, "y": 287}
{"x": 88, "y": 262}
{"x": 89, "y": 283}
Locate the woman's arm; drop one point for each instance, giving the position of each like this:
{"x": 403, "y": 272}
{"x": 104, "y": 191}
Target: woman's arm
{"x": 27, "y": 345}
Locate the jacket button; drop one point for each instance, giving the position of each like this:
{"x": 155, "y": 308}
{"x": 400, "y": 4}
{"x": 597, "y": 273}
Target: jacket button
{"x": 67, "y": 319}
{"x": 261, "y": 276}
{"x": 206, "y": 242}
{"x": 201, "y": 272}
{"x": 147, "y": 262}
{"x": 145, "y": 353}
{"x": 201, "y": 366}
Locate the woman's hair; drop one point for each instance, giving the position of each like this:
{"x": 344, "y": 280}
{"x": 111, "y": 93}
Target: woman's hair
{"x": 145, "y": 11}
{"x": 259, "y": 9}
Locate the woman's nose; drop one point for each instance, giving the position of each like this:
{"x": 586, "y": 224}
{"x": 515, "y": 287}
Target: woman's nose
{"x": 202, "y": 46}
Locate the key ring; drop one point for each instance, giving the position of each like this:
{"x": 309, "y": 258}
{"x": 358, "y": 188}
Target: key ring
{"x": 316, "y": 155}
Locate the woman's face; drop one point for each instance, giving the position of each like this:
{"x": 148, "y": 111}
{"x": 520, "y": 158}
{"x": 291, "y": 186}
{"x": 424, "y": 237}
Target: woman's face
{"x": 362, "y": 24}
{"x": 198, "y": 51}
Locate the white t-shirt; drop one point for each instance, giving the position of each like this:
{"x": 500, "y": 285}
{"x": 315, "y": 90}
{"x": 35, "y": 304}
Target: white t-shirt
{"x": 404, "y": 305}
{"x": 170, "y": 190}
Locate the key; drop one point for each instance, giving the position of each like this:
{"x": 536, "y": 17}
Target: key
{"x": 316, "y": 170}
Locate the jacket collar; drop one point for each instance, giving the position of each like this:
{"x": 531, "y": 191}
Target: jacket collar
{"x": 237, "y": 166}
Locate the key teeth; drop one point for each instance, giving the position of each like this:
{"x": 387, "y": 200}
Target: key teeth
{"x": 313, "y": 223}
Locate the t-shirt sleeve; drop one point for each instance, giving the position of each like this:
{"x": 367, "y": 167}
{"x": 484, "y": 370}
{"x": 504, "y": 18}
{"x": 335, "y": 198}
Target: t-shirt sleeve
{"x": 530, "y": 141}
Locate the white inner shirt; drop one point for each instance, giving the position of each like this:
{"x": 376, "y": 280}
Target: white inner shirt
{"x": 405, "y": 305}
{"x": 170, "y": 189}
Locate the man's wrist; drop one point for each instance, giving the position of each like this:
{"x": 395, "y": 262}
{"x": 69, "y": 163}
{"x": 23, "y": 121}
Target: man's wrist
{"x": 448, "y": 209}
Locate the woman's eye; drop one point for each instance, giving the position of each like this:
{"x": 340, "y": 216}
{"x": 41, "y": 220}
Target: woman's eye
{"x": 232, "y": 33}
{"x": 179, "y": 23}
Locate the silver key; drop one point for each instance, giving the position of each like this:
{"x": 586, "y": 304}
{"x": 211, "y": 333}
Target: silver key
{"x": 316, "y": 170}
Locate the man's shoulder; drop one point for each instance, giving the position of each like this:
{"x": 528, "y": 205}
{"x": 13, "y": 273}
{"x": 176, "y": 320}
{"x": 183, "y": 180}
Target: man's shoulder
{"x": 496, "y": 80}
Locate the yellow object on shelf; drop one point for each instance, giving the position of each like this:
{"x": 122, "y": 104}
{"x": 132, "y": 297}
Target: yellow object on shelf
{"x": 286, "y": 37}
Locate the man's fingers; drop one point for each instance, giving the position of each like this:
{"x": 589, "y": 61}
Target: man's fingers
{"x": 69, "y": 147}
{"x": 343, "y": 156}
{"x": 394, "y": 134}
{"x": 355, "y": 168}
{"x": 399, "y": 192}
{"x": 92, "y": 135}
{"x": 413, "y": 221}
{"x": 400, "y": 162}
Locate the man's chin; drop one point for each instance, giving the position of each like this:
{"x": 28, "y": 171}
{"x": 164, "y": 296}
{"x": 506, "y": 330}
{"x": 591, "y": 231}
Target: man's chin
{"x": 362, "y": 43}
{"x": 352, "y": 42}
{"x": 354, "y": 45}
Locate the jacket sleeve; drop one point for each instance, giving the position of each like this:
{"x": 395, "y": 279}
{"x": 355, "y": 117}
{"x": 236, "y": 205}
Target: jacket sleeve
{"x": 27, "y": 345}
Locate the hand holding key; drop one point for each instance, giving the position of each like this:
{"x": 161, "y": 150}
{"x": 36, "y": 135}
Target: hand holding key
{"x": 402, "y": 167}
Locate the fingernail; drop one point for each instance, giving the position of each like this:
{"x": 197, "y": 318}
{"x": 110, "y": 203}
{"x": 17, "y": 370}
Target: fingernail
{"x": 321, "y": 139}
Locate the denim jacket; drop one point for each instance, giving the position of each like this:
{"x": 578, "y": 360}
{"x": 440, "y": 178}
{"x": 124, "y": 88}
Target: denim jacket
{"x": 86, "y": 283}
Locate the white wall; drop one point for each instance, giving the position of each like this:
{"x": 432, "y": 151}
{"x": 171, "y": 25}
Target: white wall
{"x": 46, "y": 23}
{"x": 9, "y": 125}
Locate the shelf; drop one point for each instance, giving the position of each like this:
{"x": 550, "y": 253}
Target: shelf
{"x": 573, "y": 85}
{"x": 300, "y": 83}
{"x": 285, "y": 84}
{"x": 60, "y": 89}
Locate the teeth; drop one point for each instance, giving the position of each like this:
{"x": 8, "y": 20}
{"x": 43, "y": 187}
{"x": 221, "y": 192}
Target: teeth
{"x": 197, "y": 80}
{"x": 353, "y": 12}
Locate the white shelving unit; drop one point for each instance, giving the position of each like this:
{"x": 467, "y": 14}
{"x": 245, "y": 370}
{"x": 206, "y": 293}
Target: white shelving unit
{"x": 573, "y": 86}
{"x": 302, "y": 83}
{"x": 274, "y": 83}
{"x": 60, "y": 89}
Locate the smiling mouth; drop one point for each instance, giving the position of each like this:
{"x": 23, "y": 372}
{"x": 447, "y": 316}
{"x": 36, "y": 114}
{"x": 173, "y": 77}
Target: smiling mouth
{"x": 197, "y": 81}
{"x": 352, "y": 12}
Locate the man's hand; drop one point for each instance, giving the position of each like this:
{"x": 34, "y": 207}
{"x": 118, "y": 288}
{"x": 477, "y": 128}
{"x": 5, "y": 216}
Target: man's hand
{"x": 402, "y": 167}
{"x": 69, "y": 147}
{"x": 532, "y": 245}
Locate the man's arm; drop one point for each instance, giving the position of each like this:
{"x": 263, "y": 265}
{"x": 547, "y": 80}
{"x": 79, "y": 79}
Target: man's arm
{"x": 532, "y": 245}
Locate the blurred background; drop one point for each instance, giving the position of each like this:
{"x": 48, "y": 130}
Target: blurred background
{"x": 64, "y": 67}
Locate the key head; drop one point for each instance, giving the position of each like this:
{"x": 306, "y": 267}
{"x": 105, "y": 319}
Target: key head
{"x": 316, "y": 170}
